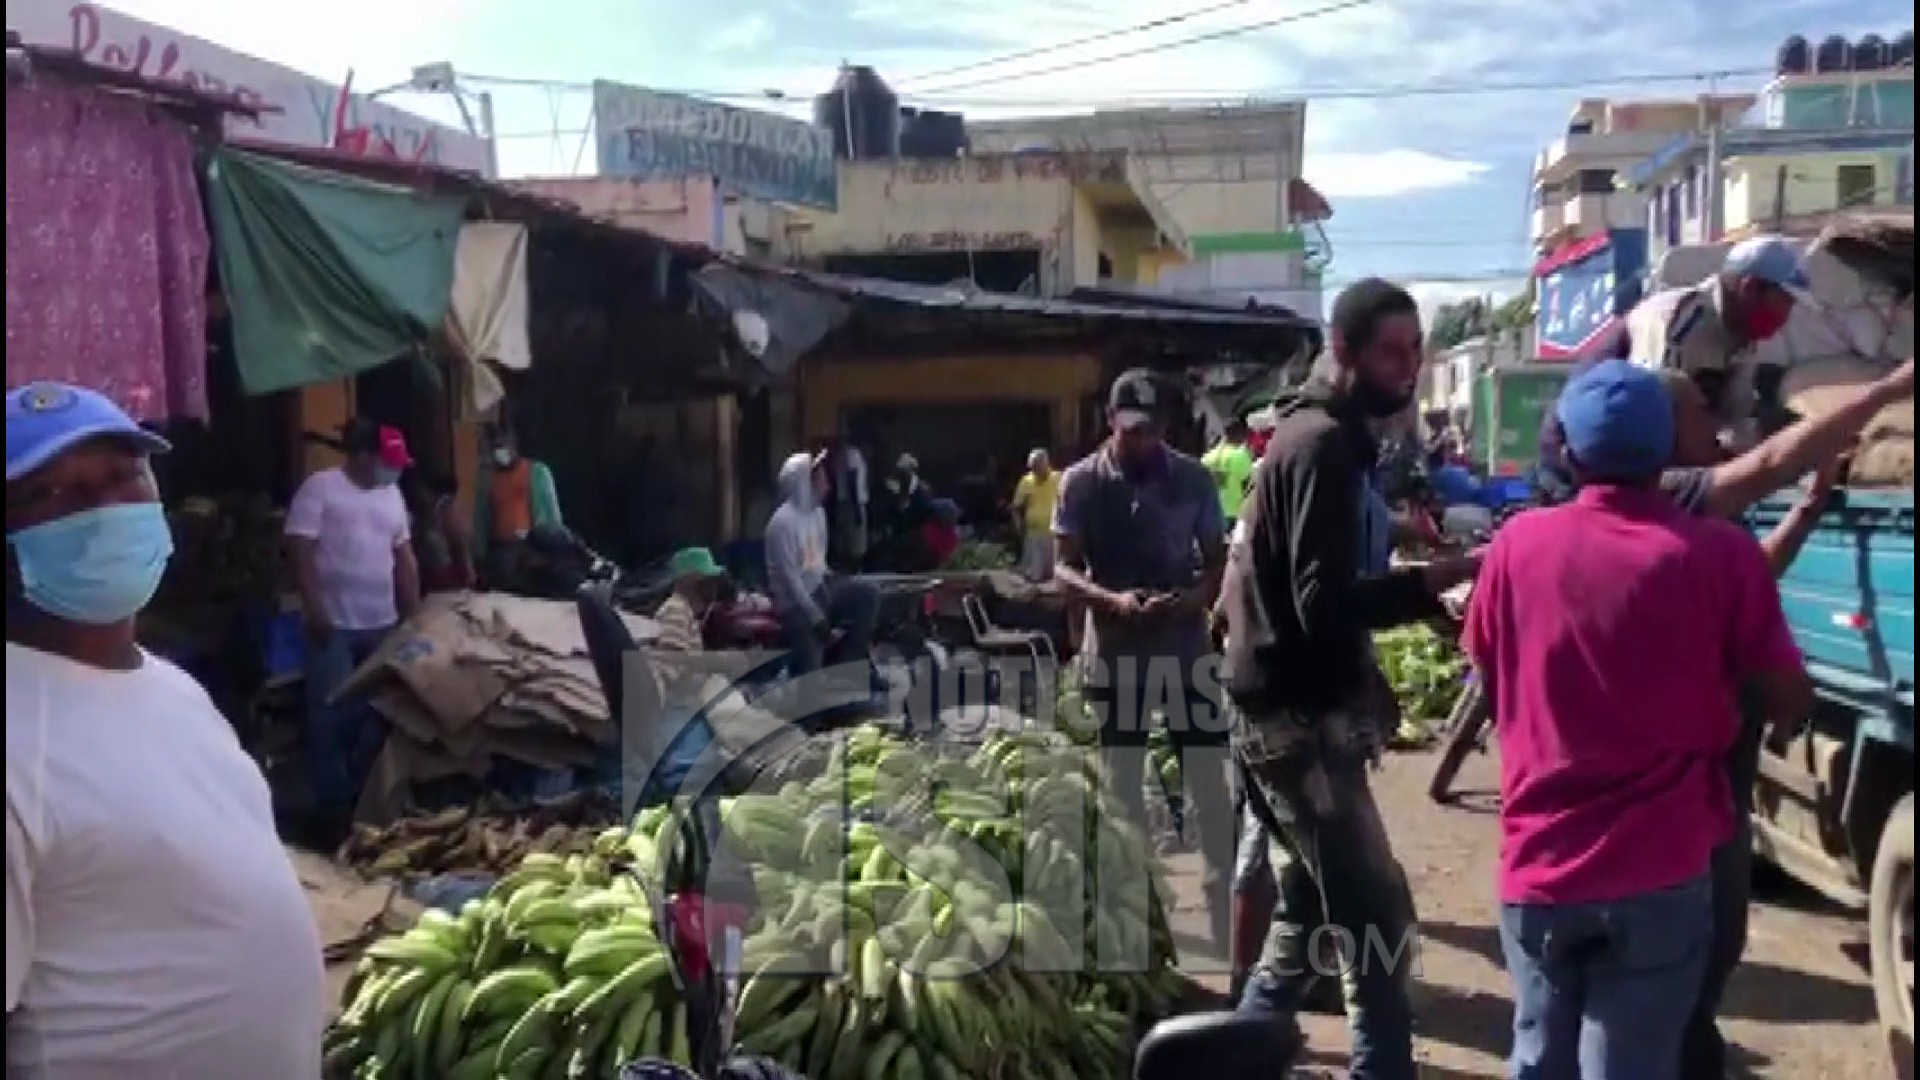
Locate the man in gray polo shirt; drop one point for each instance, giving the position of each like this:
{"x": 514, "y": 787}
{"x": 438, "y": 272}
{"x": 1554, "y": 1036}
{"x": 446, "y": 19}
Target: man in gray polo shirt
{"x": 1140, "y": 541}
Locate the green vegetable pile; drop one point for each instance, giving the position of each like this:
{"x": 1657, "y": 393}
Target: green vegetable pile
{"x": 980, "y": 555}
{"x": 922, "y": 914}
{"x": 1426, "y": 672}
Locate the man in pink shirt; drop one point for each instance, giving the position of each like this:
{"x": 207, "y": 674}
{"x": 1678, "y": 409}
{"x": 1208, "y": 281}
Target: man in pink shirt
{"x": 1614, "y": 633}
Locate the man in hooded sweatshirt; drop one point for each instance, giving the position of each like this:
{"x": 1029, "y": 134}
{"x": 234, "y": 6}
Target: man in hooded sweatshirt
{"x": 812, "y": 605}
{"x": 1300, "y": 667}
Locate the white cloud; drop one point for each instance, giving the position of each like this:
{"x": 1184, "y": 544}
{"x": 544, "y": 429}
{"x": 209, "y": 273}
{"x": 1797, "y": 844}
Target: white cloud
{"x": 1387, "y": 174}
{"x": 742, "y": 34}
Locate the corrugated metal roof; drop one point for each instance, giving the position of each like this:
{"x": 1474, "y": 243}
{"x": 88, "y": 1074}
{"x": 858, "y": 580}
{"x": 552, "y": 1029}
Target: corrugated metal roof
{"x": 1096, "y": 307}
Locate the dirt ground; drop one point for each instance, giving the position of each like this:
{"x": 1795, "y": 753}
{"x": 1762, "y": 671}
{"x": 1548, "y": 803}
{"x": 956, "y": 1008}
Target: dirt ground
{"x": 1800, "y": 1007}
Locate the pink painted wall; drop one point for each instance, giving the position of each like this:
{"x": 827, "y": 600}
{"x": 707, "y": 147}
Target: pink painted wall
{"x": 687, "y": 209}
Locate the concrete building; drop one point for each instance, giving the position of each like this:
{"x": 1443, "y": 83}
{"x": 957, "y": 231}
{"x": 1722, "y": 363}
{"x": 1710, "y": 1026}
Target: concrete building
{"x": 1576, "y": 188}
{"x": 1223, "y": 187}
{"x": 1816, "y": 142}
{"x": 1040, "y": 222}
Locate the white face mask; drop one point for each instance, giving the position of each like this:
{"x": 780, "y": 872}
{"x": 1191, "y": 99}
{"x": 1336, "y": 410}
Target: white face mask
{"x": 503, "y": 457}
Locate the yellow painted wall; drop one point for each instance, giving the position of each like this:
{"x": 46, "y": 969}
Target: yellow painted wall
{"x": 1204, "y": 206}
{"x": 1812, "y": 184}
{"x": 983, "y": 203}
{"x": 1063, "y": 381}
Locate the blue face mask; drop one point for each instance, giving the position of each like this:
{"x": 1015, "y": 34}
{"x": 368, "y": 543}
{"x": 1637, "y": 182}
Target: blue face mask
{"x": 96, "y": 567}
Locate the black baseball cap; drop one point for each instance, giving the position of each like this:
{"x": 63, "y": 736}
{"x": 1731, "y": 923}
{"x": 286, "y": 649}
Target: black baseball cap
{"x": 1137, "y": 398}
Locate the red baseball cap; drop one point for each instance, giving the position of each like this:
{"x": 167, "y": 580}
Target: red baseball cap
{"x": 393, "y": 449}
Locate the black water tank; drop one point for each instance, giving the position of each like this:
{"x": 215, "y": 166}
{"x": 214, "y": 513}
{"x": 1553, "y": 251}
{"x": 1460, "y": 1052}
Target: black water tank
{"x": 1901, "y": 51}
{"x": 929, "y": 133}
{"x": 862, "y": 113}
{"x": 1794, "y": 57}
{"x": 1834, "y": 54}
{"x": 1870, "y": 53}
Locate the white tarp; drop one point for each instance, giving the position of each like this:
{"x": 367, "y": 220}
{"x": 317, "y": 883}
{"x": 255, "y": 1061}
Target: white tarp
{"x": 487, "y": 319}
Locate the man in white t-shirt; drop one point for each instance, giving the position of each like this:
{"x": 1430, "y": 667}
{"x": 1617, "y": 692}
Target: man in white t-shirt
{"x": 154, "y": 927}
{"x": 348, "y": 533}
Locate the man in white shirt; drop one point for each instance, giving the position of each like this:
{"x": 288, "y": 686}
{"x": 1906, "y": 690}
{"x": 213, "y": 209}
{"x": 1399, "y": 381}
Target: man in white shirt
{"x": 154, "y": 926}
{"x": 352, "y": 552}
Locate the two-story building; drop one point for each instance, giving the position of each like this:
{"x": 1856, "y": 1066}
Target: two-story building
{"x": 1833, "y": 131}
{"x": 1233, "y": 219}
{"x": 1577, "y": 191}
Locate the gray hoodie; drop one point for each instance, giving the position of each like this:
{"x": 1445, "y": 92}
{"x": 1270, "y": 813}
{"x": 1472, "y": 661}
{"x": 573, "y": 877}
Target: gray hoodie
{"x": 797, "y": 543}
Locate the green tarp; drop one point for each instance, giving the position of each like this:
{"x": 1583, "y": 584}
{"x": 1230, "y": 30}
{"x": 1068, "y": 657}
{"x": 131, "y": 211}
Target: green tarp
{"x": 325, "y": 275}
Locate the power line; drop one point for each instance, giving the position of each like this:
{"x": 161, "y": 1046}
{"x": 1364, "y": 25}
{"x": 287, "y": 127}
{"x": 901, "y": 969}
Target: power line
{"x": 1168, "y": 46}
{"x": 1308, "y": 94}
{"x": 1090, "y": 39}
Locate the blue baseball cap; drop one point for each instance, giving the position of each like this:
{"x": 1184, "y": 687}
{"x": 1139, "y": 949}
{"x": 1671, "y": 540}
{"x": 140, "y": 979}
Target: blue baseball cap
{"x": 1772, "y": 260}
{"x": 1616, "y": 419}
{"x": 46, "y": 419}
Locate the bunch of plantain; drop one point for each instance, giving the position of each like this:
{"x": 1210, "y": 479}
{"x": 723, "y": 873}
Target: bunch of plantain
{"x": 908, "y": 926}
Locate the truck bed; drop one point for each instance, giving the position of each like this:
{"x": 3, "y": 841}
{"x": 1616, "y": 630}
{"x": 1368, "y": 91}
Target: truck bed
{"x": 1849, "y": 596}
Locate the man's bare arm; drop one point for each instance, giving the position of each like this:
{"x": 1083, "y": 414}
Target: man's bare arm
{"x": 1070, "y": 570}
{"x": 406, "y": 580}
{"x": 306, "y": 575}
{"x": 1796, "y": 451}
{"x": 1783, "y": 544}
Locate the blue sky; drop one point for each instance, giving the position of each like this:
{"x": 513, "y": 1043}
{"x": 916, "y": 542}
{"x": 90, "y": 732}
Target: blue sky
{"x": 1425, "y": 189}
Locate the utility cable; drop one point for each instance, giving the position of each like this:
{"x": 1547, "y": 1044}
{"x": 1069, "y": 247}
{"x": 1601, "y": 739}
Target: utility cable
{"x": 1090, "y": 39}
{"x": 1168, "y": 46}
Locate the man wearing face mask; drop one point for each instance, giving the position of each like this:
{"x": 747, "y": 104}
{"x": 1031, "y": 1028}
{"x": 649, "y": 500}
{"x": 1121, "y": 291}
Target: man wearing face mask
{"x": 515, "y": 496}
{"x": 154, "y": 926}
{"x": 1301, "y": 670}
{"x": 1710, "y": 330}
{"x": 352, "y": 549}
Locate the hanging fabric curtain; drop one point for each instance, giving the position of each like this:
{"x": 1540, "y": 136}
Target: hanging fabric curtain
{"x": 106, "y": 249}
{"x": 326, "y": 275}
{"x": 487, "y": 321}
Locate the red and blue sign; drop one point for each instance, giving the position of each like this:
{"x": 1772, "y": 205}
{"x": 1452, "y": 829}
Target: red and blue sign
{"x": 1585, "y": 291}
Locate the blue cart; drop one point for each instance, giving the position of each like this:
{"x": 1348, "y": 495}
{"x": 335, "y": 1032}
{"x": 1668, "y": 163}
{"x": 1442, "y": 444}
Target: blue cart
{"x": 1836, "y": 811}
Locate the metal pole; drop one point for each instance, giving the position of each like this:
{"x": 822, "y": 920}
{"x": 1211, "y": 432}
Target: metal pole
{"x": 486, "y": 129}
{"x": 1716, "y": 194}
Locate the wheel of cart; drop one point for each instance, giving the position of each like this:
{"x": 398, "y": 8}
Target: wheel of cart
{"x": 1890, "y": 929}
{"x": 1468, "y": 723}
{"x": 1464, "y": 732}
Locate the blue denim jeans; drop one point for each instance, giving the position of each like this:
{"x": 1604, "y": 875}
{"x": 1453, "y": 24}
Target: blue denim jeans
{"x": 1704, "y": 1056}
{"x": 343, "y": 738}
{"x": 1604, "y": 991}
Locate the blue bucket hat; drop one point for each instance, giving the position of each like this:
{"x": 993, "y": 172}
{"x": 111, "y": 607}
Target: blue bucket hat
{"x": 1616, "y": 420}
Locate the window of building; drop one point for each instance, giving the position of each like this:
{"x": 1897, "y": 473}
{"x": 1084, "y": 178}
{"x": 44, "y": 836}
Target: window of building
{"x": 1596, "y": 181}
{"x": 1855, "y": 185}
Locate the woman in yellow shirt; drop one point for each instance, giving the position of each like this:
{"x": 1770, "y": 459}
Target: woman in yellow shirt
{"x": 1033, "y": 499}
